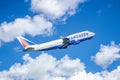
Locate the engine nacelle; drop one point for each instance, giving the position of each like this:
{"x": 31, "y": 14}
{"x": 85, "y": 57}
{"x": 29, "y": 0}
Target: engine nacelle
{"x": 74, "y": 42}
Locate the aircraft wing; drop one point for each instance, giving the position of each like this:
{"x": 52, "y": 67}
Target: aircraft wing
{"x": 29, "y": 48}
{"x": 66, "y": 42}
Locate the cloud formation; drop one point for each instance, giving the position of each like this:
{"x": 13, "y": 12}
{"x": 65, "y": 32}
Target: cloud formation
{"x": 55, "y": 9}
{"x": 107, "y": 55}
{"x": 47, "y": 67}
{"x": 43, "y": 67}
{"x": 104, "y": 75}
{"x": 39, "y": 24}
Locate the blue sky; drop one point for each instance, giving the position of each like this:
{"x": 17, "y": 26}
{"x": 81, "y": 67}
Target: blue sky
{"x": 99, "y": 16}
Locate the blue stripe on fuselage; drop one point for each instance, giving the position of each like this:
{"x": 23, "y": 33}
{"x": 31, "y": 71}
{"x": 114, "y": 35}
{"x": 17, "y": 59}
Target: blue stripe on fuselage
{"x": 78, "y": 41}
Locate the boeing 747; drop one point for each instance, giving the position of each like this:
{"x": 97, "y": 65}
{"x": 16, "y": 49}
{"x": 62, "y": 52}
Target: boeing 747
{"x": 62, "y": 43}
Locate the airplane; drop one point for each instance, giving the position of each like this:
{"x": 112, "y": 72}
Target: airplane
{"x": 61, "y": 43}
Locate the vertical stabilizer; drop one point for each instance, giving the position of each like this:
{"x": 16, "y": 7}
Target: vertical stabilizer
{"x": 24, "y": 42}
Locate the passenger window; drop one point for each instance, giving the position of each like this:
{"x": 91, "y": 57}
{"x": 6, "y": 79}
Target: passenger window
{"x": 74, "y": 36}
{"x": 84, "y": 34}
{"x": 81, "y": 35}
{"x": 87, "y": 33}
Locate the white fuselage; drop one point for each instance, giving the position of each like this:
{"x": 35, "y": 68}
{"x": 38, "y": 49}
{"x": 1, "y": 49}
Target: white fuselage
{"x": 59, "y": 43}
{"x": 47, "y": 45}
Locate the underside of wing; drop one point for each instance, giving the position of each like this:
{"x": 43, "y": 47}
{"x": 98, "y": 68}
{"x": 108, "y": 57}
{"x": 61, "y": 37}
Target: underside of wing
{"x": 66, "y": 42}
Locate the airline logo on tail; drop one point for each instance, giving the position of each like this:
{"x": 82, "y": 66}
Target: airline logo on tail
{"x": 25, "y": 42}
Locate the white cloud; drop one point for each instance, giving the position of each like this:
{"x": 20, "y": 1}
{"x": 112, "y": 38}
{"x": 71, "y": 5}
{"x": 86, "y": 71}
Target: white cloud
{"x": 107, "y": 54}
{"x": 104, "y": 75}
{"x": 55, "y": 9}
{"x": 43, "y": 67}
{"x": 47, "y": 67}
{"x": 37, "y": 25}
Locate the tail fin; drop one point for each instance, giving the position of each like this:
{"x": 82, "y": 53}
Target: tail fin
{"x": 24, "y": 42}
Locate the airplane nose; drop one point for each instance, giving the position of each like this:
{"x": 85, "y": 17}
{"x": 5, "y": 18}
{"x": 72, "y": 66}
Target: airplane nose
{"x": 93, "y": 33}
